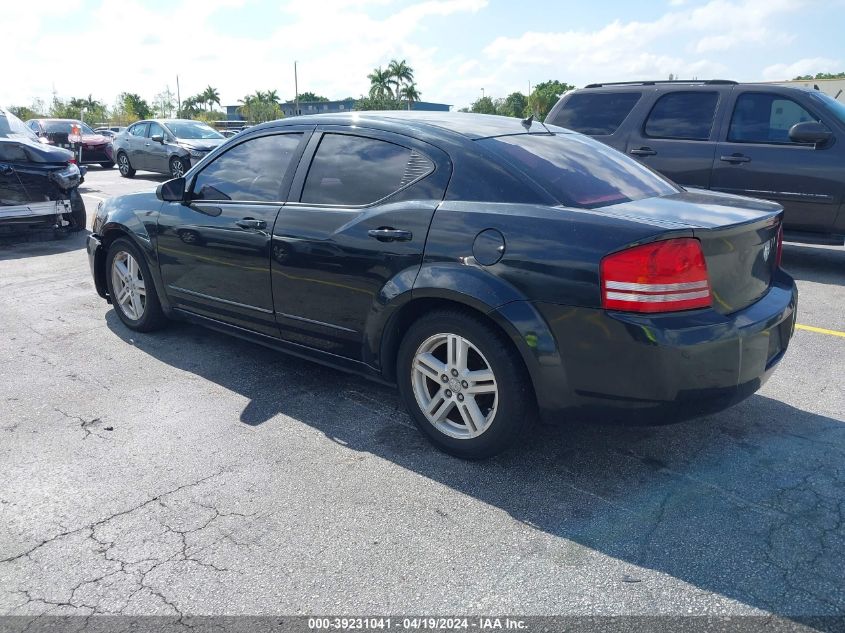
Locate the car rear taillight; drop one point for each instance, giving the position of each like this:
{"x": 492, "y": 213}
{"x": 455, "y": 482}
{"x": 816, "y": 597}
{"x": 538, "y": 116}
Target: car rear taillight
{"x": 663, "y": 276}
{"x": 779, "y": 255}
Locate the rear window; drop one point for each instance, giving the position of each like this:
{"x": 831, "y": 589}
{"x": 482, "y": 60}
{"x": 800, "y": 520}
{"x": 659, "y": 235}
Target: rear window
{"x": 578, "y": 171}
{"x": 596, "y": 114}
{"x": 683, "y": 115}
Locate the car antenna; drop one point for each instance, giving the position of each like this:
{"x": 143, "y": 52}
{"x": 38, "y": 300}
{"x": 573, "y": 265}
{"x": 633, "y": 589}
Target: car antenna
{"x": 526, "y": 123}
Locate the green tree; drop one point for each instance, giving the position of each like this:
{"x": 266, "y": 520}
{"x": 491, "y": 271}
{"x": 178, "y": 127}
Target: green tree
{"x": 380, "y": 83}
{"x": 24, "y": 113}
{"x": 400, "y": 75}
{"x": 164, "y": 103}
{"x": 261, "y": 106}
{"x": 377, "y": 103}
{"x": 409, "y": 94}
{"x": 821, "y": 76}
{"x": 310, "y": 96}
{"x": 483, "y": 105}
{"x": 210, "y": 96}
{"x": 513, "y": 105}
{"x": 134, "y": 106}
{"x": 544, "y": 96}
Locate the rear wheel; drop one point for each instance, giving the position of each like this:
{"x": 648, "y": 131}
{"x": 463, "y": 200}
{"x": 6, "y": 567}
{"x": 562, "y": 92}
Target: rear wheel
{"x": 125, "y": 166}
{"x": 464, "y": 385}
{"x": 131, "y": 287}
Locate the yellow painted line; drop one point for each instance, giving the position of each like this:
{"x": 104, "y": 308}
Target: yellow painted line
{"x": 819, "y": 330}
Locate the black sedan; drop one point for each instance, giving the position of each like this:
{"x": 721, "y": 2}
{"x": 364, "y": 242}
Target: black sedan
{"x": 38, "y": 183}
{"x": 491, "y": 268}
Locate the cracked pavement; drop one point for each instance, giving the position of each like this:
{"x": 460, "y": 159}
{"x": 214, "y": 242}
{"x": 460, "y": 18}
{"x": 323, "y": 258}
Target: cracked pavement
{"x": 187, "y": 473}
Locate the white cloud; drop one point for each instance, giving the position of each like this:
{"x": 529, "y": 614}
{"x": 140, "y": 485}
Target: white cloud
{"x": 809, "y": 65}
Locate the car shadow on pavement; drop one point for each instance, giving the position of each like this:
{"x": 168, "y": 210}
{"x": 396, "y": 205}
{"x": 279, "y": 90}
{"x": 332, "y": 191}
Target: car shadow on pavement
{"x": 41, "y": 242}
{"x": 748, "y": 503}
{"x": 825, "y": 265}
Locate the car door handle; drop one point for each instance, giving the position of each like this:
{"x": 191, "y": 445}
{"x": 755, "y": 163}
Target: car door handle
{"x": 391, "y": 235}
{"x": 251, "y": 223}
{"x": 735, "y": 158}
{"x": 643, "y": 151}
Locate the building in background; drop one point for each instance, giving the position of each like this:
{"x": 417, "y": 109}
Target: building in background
{"x": 833, "y": 87}
{"x": 327, "y": 107}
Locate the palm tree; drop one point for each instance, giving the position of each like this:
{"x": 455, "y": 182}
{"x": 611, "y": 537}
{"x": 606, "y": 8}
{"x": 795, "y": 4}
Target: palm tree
{"x": 410, "y": 93}
{"x": 210, "y": 96}
{"x": 380, "y": 82}
{"x": 272, "y": 96}
{"x": 400, "y": 73}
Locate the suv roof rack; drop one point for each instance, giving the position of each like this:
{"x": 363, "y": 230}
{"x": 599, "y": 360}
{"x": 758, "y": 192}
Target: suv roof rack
{"x": 727, "y": 82}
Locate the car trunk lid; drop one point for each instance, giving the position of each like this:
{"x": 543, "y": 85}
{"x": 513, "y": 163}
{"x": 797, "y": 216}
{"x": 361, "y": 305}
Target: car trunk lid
{"x": 739, "y": 238}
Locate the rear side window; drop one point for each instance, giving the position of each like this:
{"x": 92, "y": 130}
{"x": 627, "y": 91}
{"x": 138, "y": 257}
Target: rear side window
{"x": 355, "y": 171}
{"x": 578, "y": 171}
{"x": 596, "y": 114}
{"x": 139, "y": 129}
{"x": 683, "y": 115}
{"x": 252, "y": 171}
{"x": 765, "y": 118}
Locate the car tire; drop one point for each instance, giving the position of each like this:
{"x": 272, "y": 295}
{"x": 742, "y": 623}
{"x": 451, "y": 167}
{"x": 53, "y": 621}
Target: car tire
{"x": 107, "y": 164}
{"x": 131, "y": 287}
{"x": 125, "y": 167}
{"x": 478, "y": 406}
{"x": 78, "y": 217}
{"x": 178, "y": 167}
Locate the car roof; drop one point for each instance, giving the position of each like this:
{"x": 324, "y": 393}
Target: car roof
{"x": 473, "y": 126}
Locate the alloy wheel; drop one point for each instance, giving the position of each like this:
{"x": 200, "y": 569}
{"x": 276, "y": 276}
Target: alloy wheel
{"x": 128, "y": 285}
{"x": 177, "y": 168}
{"x": 123, "y": 164}
{"x": 454, "y": 386}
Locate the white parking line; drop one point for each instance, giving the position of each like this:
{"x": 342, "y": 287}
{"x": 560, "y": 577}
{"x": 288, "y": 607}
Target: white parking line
{"x": 91, "y": 195}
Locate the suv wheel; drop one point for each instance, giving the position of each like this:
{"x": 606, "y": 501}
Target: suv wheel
{"x": 463, "y": 384}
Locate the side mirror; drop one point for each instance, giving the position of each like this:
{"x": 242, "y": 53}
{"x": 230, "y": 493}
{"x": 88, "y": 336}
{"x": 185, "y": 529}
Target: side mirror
{"x": 158, "y": 138}
{"x": 172, "y": 190}
{"x": 811, "y": 132}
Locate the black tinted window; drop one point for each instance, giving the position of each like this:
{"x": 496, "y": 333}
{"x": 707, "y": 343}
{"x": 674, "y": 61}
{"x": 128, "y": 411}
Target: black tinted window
{"x": 684, "y": 115}
{"x": 353, "y": 170}
{"x": 251, "y": 171}
{"x": 578, "y": 171}
{"x": 765, "y": 118}
{"x": 595, "y": 113}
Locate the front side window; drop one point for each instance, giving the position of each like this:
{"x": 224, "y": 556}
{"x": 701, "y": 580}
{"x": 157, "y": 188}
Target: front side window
{"x": 595, "y": 114}
{"x": 155, "y": 128}
{"x": 251, "y": 171}
{"x": 579, "y": 171}
{"x": 760, "y": 117}
{"x": 355, "y": 171}
{"x": 138, "y": 130}
{"x": 683, "y": 115}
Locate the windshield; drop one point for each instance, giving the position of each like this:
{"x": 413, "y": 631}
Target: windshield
{"x": 578, "y": 171}
{"x": 836, "y": 107}
{"x": 12, "y": 127}
{"x": 192, "y": 130}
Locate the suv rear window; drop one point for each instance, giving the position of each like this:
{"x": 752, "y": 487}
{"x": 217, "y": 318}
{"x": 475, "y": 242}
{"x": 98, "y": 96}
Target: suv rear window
{"x": 683, "y": 115}
{"x": 578, "y": 171}
{"x": 596, "y": 114}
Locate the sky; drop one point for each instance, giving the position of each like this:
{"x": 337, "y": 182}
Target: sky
{"x": 459, "y": 49}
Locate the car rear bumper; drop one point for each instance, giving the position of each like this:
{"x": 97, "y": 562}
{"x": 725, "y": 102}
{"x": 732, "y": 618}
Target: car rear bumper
{"x": 49, "y": 214}
{"x": 656, "y": 369}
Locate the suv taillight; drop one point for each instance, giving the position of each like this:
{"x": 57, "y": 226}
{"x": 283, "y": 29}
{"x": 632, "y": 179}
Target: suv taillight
{"x": 663, "y": 276}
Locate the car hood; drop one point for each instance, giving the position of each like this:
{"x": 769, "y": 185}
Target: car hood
{"x": 203, "y": 145}
{"x": 41, "y": 153}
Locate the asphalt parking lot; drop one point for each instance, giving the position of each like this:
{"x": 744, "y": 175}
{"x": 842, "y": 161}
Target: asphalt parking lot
{"x": 186, "y": 472}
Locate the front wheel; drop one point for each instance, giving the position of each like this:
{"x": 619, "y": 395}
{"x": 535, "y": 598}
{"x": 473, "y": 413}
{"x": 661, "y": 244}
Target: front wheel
{"x": 464, "y": 385}
{"x": 178, "y": 167}
{"x": 131, "y": 287}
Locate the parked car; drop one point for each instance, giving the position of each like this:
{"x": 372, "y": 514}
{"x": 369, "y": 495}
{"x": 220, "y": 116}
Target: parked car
{"x": 489, "y": 267}
{"x": 96, "y": 148}
{"x": 38, "y": 183}
{"x": 110, "y": 132}
{"x": 780, "y": 143}
{"x": 166, "y": 146}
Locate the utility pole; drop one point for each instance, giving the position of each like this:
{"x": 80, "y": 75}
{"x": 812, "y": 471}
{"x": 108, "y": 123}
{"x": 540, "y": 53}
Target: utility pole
{"x": 295, "y": 89}
{"x": 178, "y": 100}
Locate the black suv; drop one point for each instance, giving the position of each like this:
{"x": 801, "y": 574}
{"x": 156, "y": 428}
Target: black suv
{"x": 765, "y": 141}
